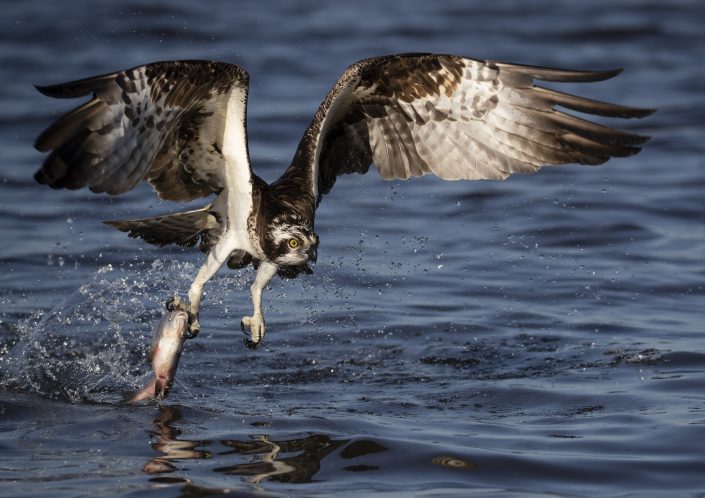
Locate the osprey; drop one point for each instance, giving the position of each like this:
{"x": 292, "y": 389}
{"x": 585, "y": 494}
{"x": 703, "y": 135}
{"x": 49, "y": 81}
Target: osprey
{"x": 181, "y": 126}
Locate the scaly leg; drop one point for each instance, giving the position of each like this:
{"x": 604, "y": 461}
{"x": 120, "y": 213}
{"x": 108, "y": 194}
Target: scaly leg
{"x": 218, "y": 255}
{"x": 265, "y": 272}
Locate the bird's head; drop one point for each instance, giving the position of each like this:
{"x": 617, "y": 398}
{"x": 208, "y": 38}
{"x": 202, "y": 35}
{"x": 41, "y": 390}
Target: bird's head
{"x": 293, "y": 242}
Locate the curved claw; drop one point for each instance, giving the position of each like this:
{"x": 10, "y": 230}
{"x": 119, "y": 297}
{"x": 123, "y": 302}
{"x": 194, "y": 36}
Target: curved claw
{"x": 194, "y": 327}
{"x": 176, "y": 303}
{"x": 171, "y": 303}
{"x": 193, "y": 331}
{"x": 256, "y": 334}
{"x": 250, "y": 344}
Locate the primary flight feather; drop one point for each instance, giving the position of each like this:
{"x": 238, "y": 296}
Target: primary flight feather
{"x": 181, "y": 126}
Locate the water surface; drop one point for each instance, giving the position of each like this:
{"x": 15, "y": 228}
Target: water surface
{"x": 541, "y": 336}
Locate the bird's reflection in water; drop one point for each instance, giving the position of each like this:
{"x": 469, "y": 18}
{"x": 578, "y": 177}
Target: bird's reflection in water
{"x": 290, "y": 460}
{"x": 165, "y": 441}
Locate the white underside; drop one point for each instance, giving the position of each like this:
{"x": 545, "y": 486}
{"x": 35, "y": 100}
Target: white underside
{"x": 236, "y": 199}
{"x": 234, "y": 204}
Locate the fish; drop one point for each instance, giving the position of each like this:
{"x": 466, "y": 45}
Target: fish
{"x": 167, "y": 344}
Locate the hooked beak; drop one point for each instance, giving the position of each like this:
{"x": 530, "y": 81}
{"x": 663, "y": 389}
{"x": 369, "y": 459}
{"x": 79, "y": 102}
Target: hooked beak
{"x": 312, "y": 254}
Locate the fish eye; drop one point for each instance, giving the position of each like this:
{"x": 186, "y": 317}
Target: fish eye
{"x": 293, "y": 243}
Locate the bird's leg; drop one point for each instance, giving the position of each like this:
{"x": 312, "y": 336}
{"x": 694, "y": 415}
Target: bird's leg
{"x": 218, "y": 255}
{"x": 265, "y": 272}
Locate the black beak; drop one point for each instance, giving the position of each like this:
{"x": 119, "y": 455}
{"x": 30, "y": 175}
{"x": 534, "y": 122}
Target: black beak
{"x": 312, "y": 254}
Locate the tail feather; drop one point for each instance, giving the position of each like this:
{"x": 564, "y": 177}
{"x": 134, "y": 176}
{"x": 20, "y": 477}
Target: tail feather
{"x": 182, "y": 229}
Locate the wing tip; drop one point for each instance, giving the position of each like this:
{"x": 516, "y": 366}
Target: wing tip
{"x": 45, "y": 89}
{"x": 631, "y": 112}
{"x": 640, "y": 140}
{"x": 77, "y": 88}
{"x": 44, "y": 143}
{"x": 41, "y": 177}
{"x": 611, "y": 73}
{"x": 40, "y": 144}
{"x": 59, "y": 91}
{"x": 579, "y": 76}
{"x": 558, "y": 75}
{"x": 642, "y": 112}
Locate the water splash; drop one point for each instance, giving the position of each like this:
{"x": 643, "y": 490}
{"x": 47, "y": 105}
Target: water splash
{"x": 92, "y": 346}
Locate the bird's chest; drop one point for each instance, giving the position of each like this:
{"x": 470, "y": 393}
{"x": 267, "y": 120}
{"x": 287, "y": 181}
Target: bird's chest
{"x": 257, "y": 221}
{"x": 254, "y": 235}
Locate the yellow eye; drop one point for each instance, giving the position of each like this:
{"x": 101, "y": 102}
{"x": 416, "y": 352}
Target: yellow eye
{"x": 293, "y": 243}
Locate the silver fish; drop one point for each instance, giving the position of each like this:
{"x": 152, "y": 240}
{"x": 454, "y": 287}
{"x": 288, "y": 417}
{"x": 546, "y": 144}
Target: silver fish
{"x": 167, "y": 343}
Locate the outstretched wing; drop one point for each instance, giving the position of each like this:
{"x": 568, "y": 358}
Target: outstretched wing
{"x": 163, "y": 122}
{"x": 458, "y": 118}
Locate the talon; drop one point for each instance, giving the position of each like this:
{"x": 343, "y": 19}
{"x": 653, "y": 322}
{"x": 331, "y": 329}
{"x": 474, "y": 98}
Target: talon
{"x": 250, "y": 344}
{"x": 194, "y": 326}
{"x": 171, "y": 303}
{"x": 256, "y": 333}
{"x": 175, "y": 302}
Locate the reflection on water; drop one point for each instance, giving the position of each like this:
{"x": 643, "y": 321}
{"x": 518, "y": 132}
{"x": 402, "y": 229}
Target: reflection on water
{"x": 257, "y": 458}
{"x": 166, "y": 442}
{"x": 293, "y": 460}
{"x": 539, "y": 335}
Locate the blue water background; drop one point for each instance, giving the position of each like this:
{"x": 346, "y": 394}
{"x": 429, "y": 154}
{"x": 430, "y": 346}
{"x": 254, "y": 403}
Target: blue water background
{"x": 540, "y": 336}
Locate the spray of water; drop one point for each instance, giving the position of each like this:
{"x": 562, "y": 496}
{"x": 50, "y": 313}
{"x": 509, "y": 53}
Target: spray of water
{"x": 92, "y": 346}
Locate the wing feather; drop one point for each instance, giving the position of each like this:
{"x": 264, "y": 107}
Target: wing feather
{"x": 582, "y": 104}
{"x": 162, "y": 122}
{"x": 457, "y": 118}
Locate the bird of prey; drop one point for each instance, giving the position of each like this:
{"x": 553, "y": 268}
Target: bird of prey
{"x": 181, "y": 126}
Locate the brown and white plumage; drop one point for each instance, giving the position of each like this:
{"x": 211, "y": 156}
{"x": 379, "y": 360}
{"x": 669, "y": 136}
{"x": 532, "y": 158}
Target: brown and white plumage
{"x": 181, "y": 127}
{"x": 163, "y": 123}
{"x": 458, "y": 118}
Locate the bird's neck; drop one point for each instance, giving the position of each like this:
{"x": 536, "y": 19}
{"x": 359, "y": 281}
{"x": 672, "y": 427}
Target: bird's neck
{"x": 294, "y": 188}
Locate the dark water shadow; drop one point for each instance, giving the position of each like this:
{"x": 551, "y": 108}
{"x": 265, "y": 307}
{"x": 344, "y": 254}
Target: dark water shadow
{"x": 292, "y": 461}
{"x": 254, "y": 458}
{"x": 166, "y": 442}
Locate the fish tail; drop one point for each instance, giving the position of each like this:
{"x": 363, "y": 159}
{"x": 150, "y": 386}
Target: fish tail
{"x": 161, "y": 387}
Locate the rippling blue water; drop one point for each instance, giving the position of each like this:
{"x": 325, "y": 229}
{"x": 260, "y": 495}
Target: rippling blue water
{"x": 539, "y": 336}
